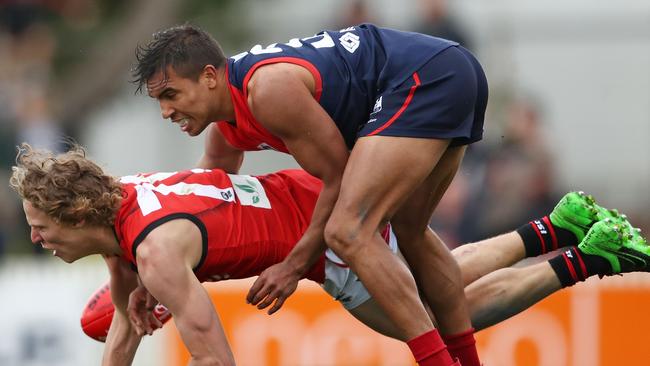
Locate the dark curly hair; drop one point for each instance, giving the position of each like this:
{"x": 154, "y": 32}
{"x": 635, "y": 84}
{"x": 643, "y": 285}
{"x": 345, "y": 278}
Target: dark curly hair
{"x": 186, "y": 48}
{"x": 68, "y": 187}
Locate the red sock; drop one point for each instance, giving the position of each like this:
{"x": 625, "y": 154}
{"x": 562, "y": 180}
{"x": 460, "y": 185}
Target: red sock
{"x": 429, "y": 350}
{"x": 463, "y": 347}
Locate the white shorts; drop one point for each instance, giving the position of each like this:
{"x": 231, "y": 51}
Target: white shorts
{"x": 343, "y": 284}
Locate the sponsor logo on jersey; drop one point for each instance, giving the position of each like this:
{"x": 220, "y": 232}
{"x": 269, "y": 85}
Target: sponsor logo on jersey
{"x": 350, "y": 42}
{"x": 227, "y": 195}
{"x": 250, "y": 191}
{"x": 377, "y": 107}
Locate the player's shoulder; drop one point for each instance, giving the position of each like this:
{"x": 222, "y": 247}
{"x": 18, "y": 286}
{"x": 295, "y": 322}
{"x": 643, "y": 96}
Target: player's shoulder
{"x": 173, "y": 243}
{"x": 270, "y": 80}
{"x": 172, "y": 229}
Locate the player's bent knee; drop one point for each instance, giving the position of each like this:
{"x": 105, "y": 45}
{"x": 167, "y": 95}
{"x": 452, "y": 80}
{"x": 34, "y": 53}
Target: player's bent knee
{"x": 342, "y": 241}
{"x": 463, "y": 251}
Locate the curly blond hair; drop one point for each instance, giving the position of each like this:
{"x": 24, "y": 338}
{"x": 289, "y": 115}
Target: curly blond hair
{"x": 68, "y": 187}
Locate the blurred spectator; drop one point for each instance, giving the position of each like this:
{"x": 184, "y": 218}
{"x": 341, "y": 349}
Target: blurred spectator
{"x": 435, "y": 20}
{"x": 448, "y": 218}
{"x": 519, "y": 173}
{"x": 60, "y": 60}
{"x": 27, "y": 47}
{"x": 355, "y": 12}
{"x": 33, "y": 52}
{"x": 502, "y": 186}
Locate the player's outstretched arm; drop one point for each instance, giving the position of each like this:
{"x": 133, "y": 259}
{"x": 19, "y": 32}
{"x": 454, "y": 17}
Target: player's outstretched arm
{"x": 218, "y": 153}
{"x": 122, "y": 341}
{"x": 165, "y": 260}
{"x": 280, "y": 97}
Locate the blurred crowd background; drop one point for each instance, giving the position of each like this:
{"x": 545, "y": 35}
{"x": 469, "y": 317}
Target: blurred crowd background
{"x": 569, "y": 94}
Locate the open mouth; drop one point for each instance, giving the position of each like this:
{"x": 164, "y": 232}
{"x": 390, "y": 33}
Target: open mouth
{"x": 183, "y": 122}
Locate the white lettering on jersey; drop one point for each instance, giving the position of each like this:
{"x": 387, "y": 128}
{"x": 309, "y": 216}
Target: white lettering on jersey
{"x": 324, "y": 40}
{"x": 149, "y": 202}
{"x": 348, "y": 29}
{"x": 249, "y": 190}
{"x": 238, "y": 56}
{"x": 272, "y": 48}
{"x": 350, "y": 42}
{"x": 294, "y": 42}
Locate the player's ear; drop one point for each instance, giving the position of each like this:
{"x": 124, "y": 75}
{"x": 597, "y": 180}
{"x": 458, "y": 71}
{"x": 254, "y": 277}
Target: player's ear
{"x": 209, "y": 76}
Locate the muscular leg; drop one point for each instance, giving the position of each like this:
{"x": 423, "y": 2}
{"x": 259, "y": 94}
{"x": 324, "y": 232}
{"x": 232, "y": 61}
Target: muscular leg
{"x": 381, "y": 173}
{"x": 491, "y": 299}
{"x": 494, "y": 291}
{"x": 478, "y": 259}
{"x": 434, "y": 268}
{"x": 508, "y": 291}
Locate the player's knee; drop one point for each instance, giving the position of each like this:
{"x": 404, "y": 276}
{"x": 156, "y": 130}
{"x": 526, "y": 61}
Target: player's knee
{"x": 342, "y": 240}
{"x": 465, "y": 252}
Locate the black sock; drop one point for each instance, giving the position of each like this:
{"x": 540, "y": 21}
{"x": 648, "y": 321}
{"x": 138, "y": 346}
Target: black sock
{"x": 541, "y": 236}
{"x": 573, "y": 266}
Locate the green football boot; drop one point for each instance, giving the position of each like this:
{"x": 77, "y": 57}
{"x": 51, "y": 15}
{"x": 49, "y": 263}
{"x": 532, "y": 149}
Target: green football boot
{"x": 577, "y": 212}
{"x": 619, "y": 243}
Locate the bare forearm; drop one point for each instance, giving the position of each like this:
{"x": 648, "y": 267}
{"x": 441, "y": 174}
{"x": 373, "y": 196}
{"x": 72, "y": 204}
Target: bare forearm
{"x": 121, "y": 344}
{"x": 122, "y": 341}
{"x": 218, "y": 153}
{"x": 229, "y": 163}
{"x": 202, "y": 333}
{"x": 312, "y": 245}
{"x": 205, "y": 348}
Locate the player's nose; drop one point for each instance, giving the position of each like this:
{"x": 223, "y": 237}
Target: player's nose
{"x": 36, "y": 237}
{"x": 166, "y": 110}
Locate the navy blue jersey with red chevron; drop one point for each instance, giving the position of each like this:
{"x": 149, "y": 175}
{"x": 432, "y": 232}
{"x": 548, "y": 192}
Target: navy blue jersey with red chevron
{"x": 351, "y": 68}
